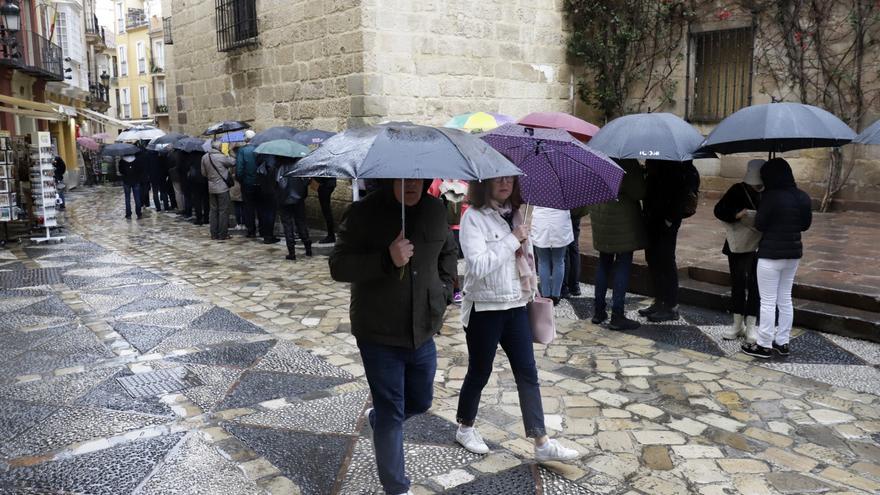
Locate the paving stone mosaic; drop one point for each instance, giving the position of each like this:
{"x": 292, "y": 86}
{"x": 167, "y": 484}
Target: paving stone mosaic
{"x": 142, "y": 337}
{"x": 112, "y": 471}
{"x": 517, "y": 481}
{"x": 195, "y": 338}
{"x": 217, "y": 382}
{"x": 111, "y": 395}
{"x": 290, "y": 358}
{"x": 813, "y": 348}
{"x": 237, "y": 355}
{"x": 431, "y": 429}
{"x": 71, "y": 425}
{"x": 860, "y": 378}
{"x": 337, "y": 414}
{"x": 554, "y": 484}
{"x": 18, "y": 321}
{"x": 223, "y": 320}
{"x": 10, "y": 304}
{"x": 19, "y": 340}
{"x": 151, "y": 304}
{"x": 50, "y": 306}
{"x": 29, "y": 278}
{"x": 103, "y": 303}
{"x": 259, "y": 386}
{"x": 169, "y": 317}
{"x": 28, "y": 292}
{"x": 17, "y": 416}
{"x": 195, "y": 466}
{"x": 311, "y": 461}
{"x": 59, "y": 390}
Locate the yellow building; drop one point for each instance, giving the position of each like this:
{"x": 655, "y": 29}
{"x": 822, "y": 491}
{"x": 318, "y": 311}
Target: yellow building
{"x": 140, "y": 82}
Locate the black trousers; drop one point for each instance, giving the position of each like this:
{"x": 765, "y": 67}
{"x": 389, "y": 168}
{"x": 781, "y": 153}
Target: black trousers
{"x": 325, "y": 191}
{"x": 259, "y": 209}
{"x": 293, "y": 218}
{"x": 660, "y": 255}
{"x": 145, "y": 194}
{"x": 572, "y": 280}
{"x": 744, "y": 296}
{"x": 201, "y": 206}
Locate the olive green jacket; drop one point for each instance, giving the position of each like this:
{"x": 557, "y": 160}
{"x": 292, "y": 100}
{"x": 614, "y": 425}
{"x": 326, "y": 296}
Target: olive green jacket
{"x": 618, "y": 226}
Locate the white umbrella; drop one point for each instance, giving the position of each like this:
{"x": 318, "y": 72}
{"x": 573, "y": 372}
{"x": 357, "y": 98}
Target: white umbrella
{"x": 140, "y": 133}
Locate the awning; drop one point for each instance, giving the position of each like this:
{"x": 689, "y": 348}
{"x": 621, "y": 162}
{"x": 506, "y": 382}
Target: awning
{"x": 24, "y": 112}
{"x": 70, "y": 111}
{"x": 31, "y": 108}
{"x": 106, "y": 119}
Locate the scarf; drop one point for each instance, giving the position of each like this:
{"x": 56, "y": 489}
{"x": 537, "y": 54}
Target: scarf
{"x": 525, "y": 260}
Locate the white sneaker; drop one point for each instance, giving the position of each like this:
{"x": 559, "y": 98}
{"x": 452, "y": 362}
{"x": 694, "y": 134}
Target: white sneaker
{"x": 736, "y": 330}
{"x": 471, "y": 441}
{"x": 554, "y": 451}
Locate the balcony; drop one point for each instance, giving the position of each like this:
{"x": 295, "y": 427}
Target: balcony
{"x": 156, "y": 70}
{"x": 99, "y": 98}
{"x": 136, "y": 18}
{"x": 35, "y": 55}
{"x": 95, "y": 33}
{"x": 160, "y": 109}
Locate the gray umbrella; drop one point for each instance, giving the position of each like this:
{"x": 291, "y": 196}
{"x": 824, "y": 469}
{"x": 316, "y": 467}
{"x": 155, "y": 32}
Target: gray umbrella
{"x": 165, "y": 142}
{"x": 641, "y": 136}
{"x": 871, "y": 135}
{"x": 120, "y": 149}
{"x": 778, "y": 127}
{"x": 273, "y": 133}
{"x": 190, "y": 144}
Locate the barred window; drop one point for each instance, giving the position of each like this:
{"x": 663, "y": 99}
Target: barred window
{"x": 722, "y": 73}
{"x": 236, "y": 24}
{"x": 166, "y": 30}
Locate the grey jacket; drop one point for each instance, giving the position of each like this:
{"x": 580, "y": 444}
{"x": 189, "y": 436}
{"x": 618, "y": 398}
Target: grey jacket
{"x": 222, "y": 164}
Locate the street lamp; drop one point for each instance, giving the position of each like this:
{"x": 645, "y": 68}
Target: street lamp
{"x": 105, "y": 79}
{"x": 10, "y": 14}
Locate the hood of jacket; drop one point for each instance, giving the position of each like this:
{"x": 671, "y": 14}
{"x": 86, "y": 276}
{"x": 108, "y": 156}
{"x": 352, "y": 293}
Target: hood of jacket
{"x": 777, "y": 174}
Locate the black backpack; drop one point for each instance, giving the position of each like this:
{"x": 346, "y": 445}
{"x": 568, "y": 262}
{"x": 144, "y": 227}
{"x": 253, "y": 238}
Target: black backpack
{"x": 690, "y": 190}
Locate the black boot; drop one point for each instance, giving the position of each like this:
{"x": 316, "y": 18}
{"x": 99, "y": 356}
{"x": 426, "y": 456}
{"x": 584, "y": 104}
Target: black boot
{"x": 330, "y": 239}
{"x": 291, "y": 255}
{"x": 308, "y": 245}
{"x": 665, "y": 313}
{"x": 620, "y": 322}
{"x": 599, "y": 316}
{"x": 653, "y": 308}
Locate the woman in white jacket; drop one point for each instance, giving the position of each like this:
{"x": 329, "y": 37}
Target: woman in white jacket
{"x": 499, "y": 283}
{"x": 551, "y": 234}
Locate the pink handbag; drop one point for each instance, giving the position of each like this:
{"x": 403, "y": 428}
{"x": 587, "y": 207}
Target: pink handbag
{"x": 543, "y": 320}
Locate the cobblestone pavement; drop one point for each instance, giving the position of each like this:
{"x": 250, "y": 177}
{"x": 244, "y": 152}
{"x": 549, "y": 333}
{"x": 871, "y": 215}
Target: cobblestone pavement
{"x": 141, "y": 357}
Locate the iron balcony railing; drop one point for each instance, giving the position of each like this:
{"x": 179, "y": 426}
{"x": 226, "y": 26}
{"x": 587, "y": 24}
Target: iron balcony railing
{"x": 33, "y": 54}
{"x": 136, "y": 18}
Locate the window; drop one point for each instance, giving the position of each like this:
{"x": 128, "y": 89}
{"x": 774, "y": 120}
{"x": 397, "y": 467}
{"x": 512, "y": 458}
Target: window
{"x": 144, "y": 98}
{"x": 160, "y": 94}
{"x": 123, "y": 61}
{"x": 158, "y": 55}
{"x": 61, "y": 32}
{"x": 115, "y": 72}
{"x": 722, "y": 73}
{"x": 166, "y": 30}
{"x": 236, "y": 23}
{"x": 141, "y": 50}
{"x": 118, "y": 104}
{"x": 120, "y": 17}
{"x": 125, "y": 104}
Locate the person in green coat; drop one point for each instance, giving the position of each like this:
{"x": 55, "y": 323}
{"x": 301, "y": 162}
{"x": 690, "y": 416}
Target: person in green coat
{"x": 618, "y": 231}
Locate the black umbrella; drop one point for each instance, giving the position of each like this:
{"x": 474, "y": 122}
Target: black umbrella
{"x": 190, "y": 144}
{"x": 274, "y": 133}
{"x": 164, "y": 142}
{"x": 226, "y": 126}
{"x": 120, "y": 149}
{"x": 871, "y": 135}
{"x": 313, "y": 137}
{"x": 778, "y": 127}
{"x": 643, "y": 136}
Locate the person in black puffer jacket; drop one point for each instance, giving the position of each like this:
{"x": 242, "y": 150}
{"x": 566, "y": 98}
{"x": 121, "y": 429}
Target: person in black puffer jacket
{"x": 785, "y": 211}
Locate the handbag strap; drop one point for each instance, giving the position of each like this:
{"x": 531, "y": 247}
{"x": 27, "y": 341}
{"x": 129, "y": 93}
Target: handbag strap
{"x": 748, "y": 196}
{"x": 215, "y": 168}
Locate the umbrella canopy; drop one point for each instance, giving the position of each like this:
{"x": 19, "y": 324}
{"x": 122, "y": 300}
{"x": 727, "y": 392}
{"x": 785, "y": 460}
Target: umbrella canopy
{"x": 313, "y": 137}
{"x": 273, "y": 133}
{"x": 120, "y": 149}
{"x": 402, "y": 150}
{"x": 560, "y": 171}
{"x": 165, "y": 142}
{"x": 140, "y": 133}
{"x": 656, "y": 136}
{"x": 282, "y": 147}
{"x": 478, "y": 121}
{"x": 101, "y": 136}
{"x": 88, "y": 143}
{"x": 226, "y": 126}
{"x": 778, "y": 127}
{"x": 871, "y": 135}
{"x": 190, "y": 144}
{"x": 580, "y": 129}
{"x": 232, "y": 137}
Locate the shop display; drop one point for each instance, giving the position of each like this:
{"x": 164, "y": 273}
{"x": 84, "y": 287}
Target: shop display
{"x": 43, "y": 189}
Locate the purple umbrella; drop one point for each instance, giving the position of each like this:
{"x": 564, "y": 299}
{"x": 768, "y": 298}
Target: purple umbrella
{"x": 559, "y": 171}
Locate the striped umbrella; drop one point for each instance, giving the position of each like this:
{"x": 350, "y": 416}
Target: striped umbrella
{"x": 478, "y": 121}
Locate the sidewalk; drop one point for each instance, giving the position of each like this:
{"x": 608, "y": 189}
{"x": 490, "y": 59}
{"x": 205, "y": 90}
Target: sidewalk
{"x": 265, "y": 391}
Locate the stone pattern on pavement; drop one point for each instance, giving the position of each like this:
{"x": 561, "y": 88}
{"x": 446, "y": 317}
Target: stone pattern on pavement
{"x": 281, "y": 405}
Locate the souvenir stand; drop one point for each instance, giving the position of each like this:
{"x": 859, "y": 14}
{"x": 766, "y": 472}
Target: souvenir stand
{"x": 43, "y": 187}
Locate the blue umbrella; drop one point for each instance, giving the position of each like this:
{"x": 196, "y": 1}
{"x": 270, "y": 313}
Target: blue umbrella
{"x": 273, "y": 133}
{"x": 642, "y": 136}
{"x": 232, "y": 137}
{"x": 120, "y": 149}
{"x": 871, "y": 135}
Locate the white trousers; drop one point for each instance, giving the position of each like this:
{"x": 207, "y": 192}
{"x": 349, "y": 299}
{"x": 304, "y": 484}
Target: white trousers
{"x": 775, "y": 278}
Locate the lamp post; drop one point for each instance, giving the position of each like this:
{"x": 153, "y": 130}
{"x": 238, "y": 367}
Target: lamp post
{"x": 105, "y": 82}
{"x": 10, "y": 24}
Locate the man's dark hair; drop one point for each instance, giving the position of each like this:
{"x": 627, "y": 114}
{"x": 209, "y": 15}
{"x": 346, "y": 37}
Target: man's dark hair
{"x": 480, "y": 193}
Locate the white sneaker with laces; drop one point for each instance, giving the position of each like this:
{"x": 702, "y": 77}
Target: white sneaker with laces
{"x": 471, "y": 441}
{"x": 554, "y": 451}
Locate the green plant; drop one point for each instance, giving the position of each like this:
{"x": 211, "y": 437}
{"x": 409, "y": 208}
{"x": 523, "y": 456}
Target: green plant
{"x": 625, "y": 45}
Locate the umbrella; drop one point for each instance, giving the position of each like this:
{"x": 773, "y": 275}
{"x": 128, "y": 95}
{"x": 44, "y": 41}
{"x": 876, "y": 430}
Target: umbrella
{"x": 226, "y": 126}
{"x": 140, "y": 133}
{"x": 478, "y": 121}
{"x": 274, "y": 133}
{"x": 560, "y": 171}
{"x": 778, "y": 127}
{"x": 580, "y": 129}
{"x": 165, "y": 142}
{"x": 190, "y": 144}
{"x": 88, "y": 143}
{"x": 282, "y": 147}
{"x": 871, "y": 135}
{"x": 232, "y": 137}
{"x": 120, "y": 149}
{"x": 101, "y": 136}
{"x": 312, "y": 138}
{"x": 656, "y": 136}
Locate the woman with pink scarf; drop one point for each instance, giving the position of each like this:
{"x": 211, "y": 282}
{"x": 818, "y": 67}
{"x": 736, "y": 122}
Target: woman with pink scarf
{"x": 499, "y": 282}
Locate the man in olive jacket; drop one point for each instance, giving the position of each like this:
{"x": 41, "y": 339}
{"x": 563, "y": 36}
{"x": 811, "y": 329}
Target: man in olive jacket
{"x": 400, "y": 287}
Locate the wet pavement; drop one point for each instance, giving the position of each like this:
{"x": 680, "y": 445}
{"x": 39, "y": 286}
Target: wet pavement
{"x": 141, "y": 357}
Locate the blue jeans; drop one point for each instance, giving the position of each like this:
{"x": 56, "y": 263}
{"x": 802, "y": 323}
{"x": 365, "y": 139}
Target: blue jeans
{"x": 402, "y": 385}
{"x": 551, "y": 269}
{"x": 511, "y": 329}
{"x": 616, "y": 266}
{"x": 132, "y": 189}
